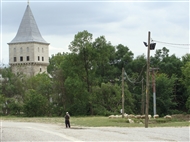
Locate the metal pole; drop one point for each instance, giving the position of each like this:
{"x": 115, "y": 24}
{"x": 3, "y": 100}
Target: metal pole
{"x": 122, "y": 92}
{"x": 154, "y": 89}
{"x": 154, "y": 92}
{"x": 147, "y": 82}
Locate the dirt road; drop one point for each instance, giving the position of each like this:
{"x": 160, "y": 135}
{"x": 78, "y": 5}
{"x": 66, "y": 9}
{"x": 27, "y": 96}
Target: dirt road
{"x": 23, "y": 131}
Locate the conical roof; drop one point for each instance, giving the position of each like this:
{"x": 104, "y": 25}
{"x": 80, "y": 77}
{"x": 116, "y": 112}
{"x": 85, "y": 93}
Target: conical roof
{"x": 28, "y": 30}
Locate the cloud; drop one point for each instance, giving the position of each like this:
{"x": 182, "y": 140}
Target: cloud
{"x": 127, "y": 23}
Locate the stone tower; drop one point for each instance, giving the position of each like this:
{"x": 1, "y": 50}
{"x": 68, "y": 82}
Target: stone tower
{"x": 28, "y": 51}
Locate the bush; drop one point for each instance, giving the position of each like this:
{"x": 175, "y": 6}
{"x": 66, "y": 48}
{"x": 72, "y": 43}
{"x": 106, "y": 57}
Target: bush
{"x": 15, "y": 108}
{"x": 100, "y": 110}
{"x": 188, "y": 105}
{"x": 35, "y": 104}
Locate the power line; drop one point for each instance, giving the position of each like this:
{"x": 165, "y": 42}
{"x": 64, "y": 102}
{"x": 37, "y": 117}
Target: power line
{"x": 170, "y": 43}
{"x": 129, "y": 78}
{"x": 173, "y": 46}
{"x": 135, "y": 81}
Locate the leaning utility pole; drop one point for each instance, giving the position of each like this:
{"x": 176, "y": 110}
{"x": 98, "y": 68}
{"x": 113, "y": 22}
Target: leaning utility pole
{"x": 123, "y": 92}
{"x": 147, "y": 82}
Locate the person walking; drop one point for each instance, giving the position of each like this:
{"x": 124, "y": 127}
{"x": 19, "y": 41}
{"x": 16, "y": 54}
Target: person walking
{"x": 67, "y": 121}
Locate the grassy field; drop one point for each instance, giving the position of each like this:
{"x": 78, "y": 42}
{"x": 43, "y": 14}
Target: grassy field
{"x": 98, "y": 121}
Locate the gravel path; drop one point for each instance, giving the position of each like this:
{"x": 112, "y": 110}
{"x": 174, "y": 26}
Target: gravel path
{"x": 23, "y": 131}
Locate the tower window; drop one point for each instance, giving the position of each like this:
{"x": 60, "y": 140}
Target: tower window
{"x": 14, "y": 59}
{"x": 38, "y": 49}
{"x": 42, "y": 58}
{"x": 42, "y": 50}
{"x": 40, "y": 69}
{"x": 14, "y": 50}
{"x": 21, "y": 50}
{"x": 38, "y": 58}
{"x": 21, "y": 58}
{"x": 27, "y": 49}
{"x": 27, "y": 58}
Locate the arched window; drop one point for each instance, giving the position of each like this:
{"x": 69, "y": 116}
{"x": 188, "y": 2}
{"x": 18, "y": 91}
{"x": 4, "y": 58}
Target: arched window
{"x": 14, "y": 50}
{"x": 42, "y": 50}
{"x": 38, "y": 49}
{"x": 27, "y": 49}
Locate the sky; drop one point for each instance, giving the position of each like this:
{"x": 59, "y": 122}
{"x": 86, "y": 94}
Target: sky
{"x": 124, "y": 22}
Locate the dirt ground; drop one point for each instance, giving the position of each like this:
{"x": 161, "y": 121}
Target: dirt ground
{"x": 25, "y": 131}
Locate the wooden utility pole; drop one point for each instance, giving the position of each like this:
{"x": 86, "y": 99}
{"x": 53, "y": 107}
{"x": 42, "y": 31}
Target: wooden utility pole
{"x": 123, "y": 93}
{"x": 147, "y": 82}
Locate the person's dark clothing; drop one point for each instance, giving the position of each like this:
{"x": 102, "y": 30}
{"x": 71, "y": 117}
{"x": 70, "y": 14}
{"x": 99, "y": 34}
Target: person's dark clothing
{"x": 67, "y": 122}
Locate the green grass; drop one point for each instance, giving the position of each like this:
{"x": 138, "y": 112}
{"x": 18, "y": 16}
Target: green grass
{"x": 98, "y": 121}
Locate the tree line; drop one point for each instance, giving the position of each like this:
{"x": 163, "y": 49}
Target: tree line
{"x": 87, "y": 81}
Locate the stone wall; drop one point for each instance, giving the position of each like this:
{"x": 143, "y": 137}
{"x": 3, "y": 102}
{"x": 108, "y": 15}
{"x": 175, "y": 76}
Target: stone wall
{"x": 29, "y": 58}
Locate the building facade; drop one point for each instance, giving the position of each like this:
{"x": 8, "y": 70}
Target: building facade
{"x": 28, "y": 51}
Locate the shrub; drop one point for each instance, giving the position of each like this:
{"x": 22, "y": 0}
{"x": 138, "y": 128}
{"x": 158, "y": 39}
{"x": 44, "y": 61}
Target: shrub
{"x": 188, "y": 105}
{"x": 35, "y": 104}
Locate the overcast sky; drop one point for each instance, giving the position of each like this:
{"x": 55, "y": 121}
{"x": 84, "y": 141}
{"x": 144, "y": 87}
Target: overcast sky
{"x": 121, "y": 22}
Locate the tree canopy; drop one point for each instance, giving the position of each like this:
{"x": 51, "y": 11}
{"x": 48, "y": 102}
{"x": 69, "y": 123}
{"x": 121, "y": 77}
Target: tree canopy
{"x": 87, "y": 81}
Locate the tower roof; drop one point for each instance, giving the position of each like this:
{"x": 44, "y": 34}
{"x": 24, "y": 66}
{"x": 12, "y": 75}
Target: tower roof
{"x": 28, "y": 30}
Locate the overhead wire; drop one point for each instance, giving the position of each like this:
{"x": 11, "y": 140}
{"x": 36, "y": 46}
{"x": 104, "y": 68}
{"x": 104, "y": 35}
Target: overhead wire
{"x": 135, "y": 81}
{"x": 172, "y": 44}
{"x": 129, "y": 78}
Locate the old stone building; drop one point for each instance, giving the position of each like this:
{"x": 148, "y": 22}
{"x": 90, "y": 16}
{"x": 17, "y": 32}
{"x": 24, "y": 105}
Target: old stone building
{"x": 28, "y": 51}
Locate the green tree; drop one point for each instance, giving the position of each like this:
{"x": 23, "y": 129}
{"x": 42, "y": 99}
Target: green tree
{"x": 186, "y": 82}
{"x": 12, "y": 89}
{"x": 107, "y": 99}
{"x": 171, "y": 65}
{"x": 83, "y": 59}
{"x": 134, "y": 81}
{"x": 43, "y": 85}
{"x": 55, "y": 63}
{"x": 82, "y": 45}
{"x": 166, "y": 64}
{"x": 35, "y": 104}
{"x": 76, "y": 96}
{"x": 164, "y": 94}
{"x": 123, "y": 58}
{"x": 60, "y": 67}
{"x": 104, "y": 57}
{"x": 186, "y": 58}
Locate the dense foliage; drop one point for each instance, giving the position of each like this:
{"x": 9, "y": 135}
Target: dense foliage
{"x": 87, "y": 81}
